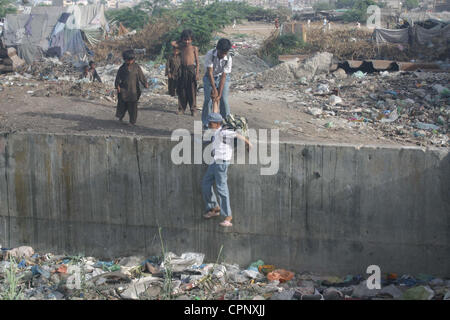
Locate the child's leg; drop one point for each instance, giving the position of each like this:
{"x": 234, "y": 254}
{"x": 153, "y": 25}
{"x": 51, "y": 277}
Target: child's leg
{"x": 207, "y": 188}
{"x": 121, "y": 109}
{"x": 172, "y": 86}
{"x": 220, "y": 175}
{"x": 132, "y": 111}
{"x": 207, "y": 100}
{"x": 181, "y": 98}
{"x": 193, "y": 93}
{"x": 224, "y": 106}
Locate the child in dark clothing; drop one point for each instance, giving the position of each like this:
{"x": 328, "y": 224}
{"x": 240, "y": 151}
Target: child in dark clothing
{"x": 189, "y": 73}
{"x": 127, "y": 82}
{"x": 173, "y": 70}
{"x": 90, "y": 73}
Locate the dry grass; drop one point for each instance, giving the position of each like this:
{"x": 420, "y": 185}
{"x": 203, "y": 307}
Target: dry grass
{"x": 149, "y": 38}
{"x": 348, "y": 43}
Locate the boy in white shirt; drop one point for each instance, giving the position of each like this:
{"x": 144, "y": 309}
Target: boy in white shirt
{"x": 222, "y": 150}
{"x": 216, "y": 82}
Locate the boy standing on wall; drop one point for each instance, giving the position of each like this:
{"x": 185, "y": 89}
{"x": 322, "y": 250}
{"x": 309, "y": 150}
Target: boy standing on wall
{"x": 189, "y": 73}
{"x": 216, "y": 81}
{"x": 127, "y": 84}
{"x": 172, "y": 70}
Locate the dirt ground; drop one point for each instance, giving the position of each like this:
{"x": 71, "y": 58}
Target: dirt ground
{"x": 266, "y": 108}
{"x": 19, "y": 112}
{"x": 254, "y": 29}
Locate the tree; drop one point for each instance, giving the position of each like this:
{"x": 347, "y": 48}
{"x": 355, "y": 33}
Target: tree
{"x": 411, "y": 4}
{"x": 323, "y": 6}
{"x": 6, "y": 7}
{"x": 358, "y": 11}
{"x": 345, "y": 4}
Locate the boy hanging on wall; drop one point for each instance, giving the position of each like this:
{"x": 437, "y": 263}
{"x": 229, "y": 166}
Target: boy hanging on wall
{"x": 217, "y": 172}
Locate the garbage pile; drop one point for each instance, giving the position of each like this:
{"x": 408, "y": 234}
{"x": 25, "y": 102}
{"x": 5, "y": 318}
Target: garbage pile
{"x": 25, "y": 274}
{"x": 54, "y": 77}
{"x": 404, "y": 106}
{"x": 9, "y": 60}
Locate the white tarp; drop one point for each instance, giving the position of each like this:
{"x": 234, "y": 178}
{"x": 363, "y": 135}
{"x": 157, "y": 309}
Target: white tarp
{"x": 32, "y": 33}
{"x": 86, "y": 17}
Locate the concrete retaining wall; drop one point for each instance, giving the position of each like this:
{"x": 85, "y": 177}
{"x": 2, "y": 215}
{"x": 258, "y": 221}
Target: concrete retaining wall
{"x": 331, "y": 208}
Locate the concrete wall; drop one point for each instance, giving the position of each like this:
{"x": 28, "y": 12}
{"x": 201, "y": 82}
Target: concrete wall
{"x": 331, "y": 208}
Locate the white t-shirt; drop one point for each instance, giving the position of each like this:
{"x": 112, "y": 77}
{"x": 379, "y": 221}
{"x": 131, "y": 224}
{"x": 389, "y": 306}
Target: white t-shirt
{"x": 218, "y": 66}
{"x": 223, "y": 143}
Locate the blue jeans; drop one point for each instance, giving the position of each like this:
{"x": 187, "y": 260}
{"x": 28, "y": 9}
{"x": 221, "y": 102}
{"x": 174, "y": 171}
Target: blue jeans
{"x": 207, "y": 103}
{"x": 217, "y": 172}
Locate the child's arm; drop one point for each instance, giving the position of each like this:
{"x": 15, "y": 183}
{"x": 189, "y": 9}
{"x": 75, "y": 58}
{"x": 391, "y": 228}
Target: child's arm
{"x": 240, "y": 137}
{"x": 117, "y": 81}
{"x": 96, "y": 76}
{"x": 214, "y": 93}
{"x": 196, "y": 63}
{"x": 215, "y": 106}
{"x": 221, "y": 86}
{"x": 142, "y": 78}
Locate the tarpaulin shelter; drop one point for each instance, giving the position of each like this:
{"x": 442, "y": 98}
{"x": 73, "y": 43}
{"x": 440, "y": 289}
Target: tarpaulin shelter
{"x": 392, "y": 36}
{"x": 423, "y": 36}
{"x": 412, "y": 35}
{"x": 54, "y": 30}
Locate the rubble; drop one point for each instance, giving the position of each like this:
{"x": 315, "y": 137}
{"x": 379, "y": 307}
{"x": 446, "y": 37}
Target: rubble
{"x": 187, "y": 277}
{"x": 402, "y": 106}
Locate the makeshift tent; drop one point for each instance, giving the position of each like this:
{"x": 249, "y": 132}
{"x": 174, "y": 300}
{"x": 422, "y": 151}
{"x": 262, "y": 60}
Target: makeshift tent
{"x": 424, "y": 36}
{"x": 412, "y": 35}
{"x": 392, "y": 36}
{"x": 55, "y": 30}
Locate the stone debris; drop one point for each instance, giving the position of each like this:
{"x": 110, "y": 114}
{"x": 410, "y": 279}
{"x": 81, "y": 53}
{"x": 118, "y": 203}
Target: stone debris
{"x": 406, "y": 107}
{"x": 402, "y": 106}
{"x": 187, "y": 277}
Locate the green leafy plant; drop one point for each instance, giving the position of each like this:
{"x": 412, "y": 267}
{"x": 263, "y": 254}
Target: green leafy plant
{"x": 322, "y": 6}
{"x": 278, "y": 45}
{"x": 167, "y": 286}
{"x": 13, "y": 290}
{"x": 358, "y": 11}
{"x": 6, "y": 7}
{"x": 205, "y": 20}
{"x": 411, "y": 4}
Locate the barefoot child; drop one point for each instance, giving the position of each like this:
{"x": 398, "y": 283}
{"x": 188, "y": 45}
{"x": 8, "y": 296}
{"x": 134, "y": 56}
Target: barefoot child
{"x": 222, "y": 150}
{"x": 189, "y": 73}
{"x": 172, "y": 70}
{"x": 127, "y": 82}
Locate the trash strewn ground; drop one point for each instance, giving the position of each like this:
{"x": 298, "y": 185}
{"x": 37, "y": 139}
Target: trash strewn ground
{"x": 307, "y": 99}
{"x": 29, "y": 275}
{"x": 403, "y": 106}
{"x": 406, "y": 107}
